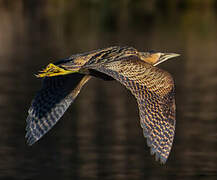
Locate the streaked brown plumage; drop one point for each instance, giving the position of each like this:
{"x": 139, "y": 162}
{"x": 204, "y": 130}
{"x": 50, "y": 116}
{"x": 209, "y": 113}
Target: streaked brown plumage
{"x": 152, "y": 87}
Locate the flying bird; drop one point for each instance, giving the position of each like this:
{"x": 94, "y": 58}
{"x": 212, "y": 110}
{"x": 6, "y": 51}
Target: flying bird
{"x": 152, "y": 87}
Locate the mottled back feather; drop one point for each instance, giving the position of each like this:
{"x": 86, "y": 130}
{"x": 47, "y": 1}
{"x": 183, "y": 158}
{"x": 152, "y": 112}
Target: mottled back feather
{"x": 154, "y": 91}
{"x": 51, "y": 102}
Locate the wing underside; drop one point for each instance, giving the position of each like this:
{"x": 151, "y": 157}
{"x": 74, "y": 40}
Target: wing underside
{"x": 50, "y": 103}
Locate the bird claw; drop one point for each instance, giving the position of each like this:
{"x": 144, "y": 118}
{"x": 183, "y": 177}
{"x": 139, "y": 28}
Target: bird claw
{"x": 53, "y": 70}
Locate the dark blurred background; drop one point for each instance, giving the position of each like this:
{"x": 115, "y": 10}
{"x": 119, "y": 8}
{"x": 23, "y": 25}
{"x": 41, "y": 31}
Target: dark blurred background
{"x": 100, "y": 137}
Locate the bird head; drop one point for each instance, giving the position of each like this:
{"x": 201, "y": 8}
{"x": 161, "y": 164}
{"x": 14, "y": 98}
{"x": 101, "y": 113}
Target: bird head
{"x": 156, "y": 58}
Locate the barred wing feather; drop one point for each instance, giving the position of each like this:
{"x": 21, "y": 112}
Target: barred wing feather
{"x": 51, "y": 102}
{"x": 154, "y": 91}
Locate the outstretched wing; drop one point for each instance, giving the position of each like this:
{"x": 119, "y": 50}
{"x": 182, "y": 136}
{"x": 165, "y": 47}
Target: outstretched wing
{"x": 51, "y": 102}
{"x": 154, "y": 91}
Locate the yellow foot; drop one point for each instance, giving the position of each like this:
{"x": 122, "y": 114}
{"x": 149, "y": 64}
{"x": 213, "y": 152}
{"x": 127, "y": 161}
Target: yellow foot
{"x": 53, "y": 70}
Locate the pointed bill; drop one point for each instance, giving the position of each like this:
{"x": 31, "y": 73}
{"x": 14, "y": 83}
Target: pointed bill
{"x": 165, "y": 56}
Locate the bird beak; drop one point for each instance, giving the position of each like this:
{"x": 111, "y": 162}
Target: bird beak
{"x": 53, "y": 70}
{"x": 170, "y": 55}
{"x": 165, "y": 56}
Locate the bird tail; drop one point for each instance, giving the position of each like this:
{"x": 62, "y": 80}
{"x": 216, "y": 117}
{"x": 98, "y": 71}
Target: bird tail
{"x": 50, "y": 103}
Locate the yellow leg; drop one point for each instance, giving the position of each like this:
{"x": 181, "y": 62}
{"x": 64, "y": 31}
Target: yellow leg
{"x": 53, "y": 70}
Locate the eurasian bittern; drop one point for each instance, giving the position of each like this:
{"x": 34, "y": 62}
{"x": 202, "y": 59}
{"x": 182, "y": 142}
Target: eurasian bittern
{"x": 152, "y": 87}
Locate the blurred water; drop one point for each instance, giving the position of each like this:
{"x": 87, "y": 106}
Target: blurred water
{"x": 99, "y": 137}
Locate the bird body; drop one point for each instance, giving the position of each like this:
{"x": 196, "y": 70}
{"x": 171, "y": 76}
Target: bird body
{"x": 152, "y": 87}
